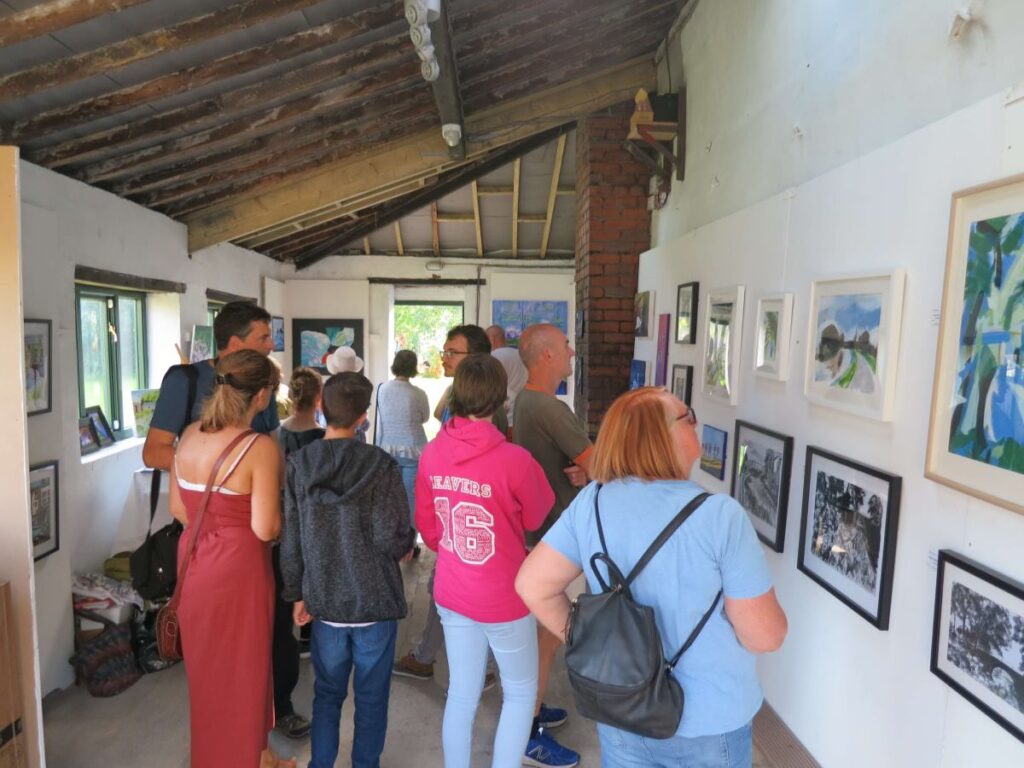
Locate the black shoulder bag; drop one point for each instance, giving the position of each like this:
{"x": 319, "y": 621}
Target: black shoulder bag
{"x": 613, "y": 652}
{"x": 154, "y": 565}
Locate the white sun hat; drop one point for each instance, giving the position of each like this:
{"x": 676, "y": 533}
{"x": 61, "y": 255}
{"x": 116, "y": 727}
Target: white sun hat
{"x": 342, "y": 360}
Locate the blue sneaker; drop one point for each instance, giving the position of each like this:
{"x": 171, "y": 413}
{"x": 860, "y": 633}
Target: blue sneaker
{"x": 544, "y": 752}
{"x": 552, "y": 717}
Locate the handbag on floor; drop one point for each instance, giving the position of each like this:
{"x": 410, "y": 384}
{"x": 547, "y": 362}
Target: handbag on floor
{"x": 168, "y": 631}
{"x": 613, "y": 652}
{"x": 106, "y": 663}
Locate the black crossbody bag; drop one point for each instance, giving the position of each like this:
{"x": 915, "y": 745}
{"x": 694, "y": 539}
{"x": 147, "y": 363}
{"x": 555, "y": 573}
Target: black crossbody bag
{"x": 617, "y": 668}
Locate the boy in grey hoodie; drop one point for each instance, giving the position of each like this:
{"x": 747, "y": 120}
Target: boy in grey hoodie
{"x": 346, "y": 527}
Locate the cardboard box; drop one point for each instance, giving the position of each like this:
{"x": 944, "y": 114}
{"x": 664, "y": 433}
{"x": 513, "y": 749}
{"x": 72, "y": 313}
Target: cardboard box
{"x": 13, "y": 753}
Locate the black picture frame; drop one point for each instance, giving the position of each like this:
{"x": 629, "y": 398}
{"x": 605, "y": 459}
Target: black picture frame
{"x": 88, "y": 442}
{"x": 37, "y": 344}
{"x": 685, "y": 392}
{"x": 100, "y": 428}
{"x": 843, "y": 550}
{"x": 988, "y": 681}
{"x": 761, "y": 473}
{"x": 686, "y": 332}
{"x": 44, "y": 508}
{"x": 322, "y": 335}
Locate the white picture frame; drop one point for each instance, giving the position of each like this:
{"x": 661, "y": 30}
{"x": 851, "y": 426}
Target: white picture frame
{"x": 723, "y": 342}
{"x": 853, "y": 340}
{"x": 773, "y": 336}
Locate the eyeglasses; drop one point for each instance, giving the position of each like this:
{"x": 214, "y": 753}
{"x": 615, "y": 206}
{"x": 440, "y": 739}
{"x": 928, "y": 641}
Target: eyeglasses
{"x": 448, "y": 354}
{"x": 690, "y": 417}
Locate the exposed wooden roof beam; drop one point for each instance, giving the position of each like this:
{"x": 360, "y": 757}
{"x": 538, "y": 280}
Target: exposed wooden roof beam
{"x": 120, "y": 54}
{"x": 516, "y": 171}
{"x": 494, "y": 190}
{"x": 552, "y": 196}
{"x": 416, "y": 155}
{"x": 448, "y": 218}
{"x": 398, "y": 239}
{"x": 112, "y": 103}
{"x": 47, "y": 17}
{"x": 366, "y": 245}
{"x": 435, "y": 232}
{"x": 532, "y": 218}
{"x": 476, "y": 220}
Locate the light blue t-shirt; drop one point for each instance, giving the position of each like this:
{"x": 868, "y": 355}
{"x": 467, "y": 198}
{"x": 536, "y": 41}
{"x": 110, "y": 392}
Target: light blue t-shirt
{"x": 716, "y": 548}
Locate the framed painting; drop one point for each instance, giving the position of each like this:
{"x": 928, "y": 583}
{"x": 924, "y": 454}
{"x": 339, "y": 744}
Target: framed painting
{"x": 722, "y": 343}
{"x": 686, "y": 312}
{"x": 515, "y": 316}
{"x": 682, "y": 382}
{"x": 87, "y": 440}
{"x": 100, "y": 427}
{"x": 761, "y": 467}
{"x": 978, "y": 638}
{"x": 38, "y": 346}
{"x": 277, "y": 333}
{"x": 661, "y": 356}
{"x": 713, "y": 444}
{"x": 143, "y": 404}
{"x": 848, "y": 532}
{"x": 976, "y": 434}
{"x": 643, "y": 308}
{"x": 774, "y": 328}
{"x": 314, "y": 339}
{"x": 44, "y": 502}
{"x": 853, "y": 347}
{"x": 204, "y": 346}
{"x": 637, "y": 374}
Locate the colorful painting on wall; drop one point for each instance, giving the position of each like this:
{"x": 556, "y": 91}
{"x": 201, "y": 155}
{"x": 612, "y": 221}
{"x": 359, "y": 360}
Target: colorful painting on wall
{"x": 204, "y": 346}
{"x": 661, "y": 361}
{"x": 643, "y": 308}
{"x": 516, "y": 316}
{"x": 313, "y": 340}
{"x": 637, "y": 374}
{"x": 143, "y": 403}
{"x": 38, "y": 362}
{"x": 277, "y": 333}
{"x": 713, "y": 444}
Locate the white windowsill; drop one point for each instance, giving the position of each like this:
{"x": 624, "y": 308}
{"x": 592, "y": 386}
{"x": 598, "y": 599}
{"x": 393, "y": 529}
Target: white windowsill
{"x": 118, "y": 447}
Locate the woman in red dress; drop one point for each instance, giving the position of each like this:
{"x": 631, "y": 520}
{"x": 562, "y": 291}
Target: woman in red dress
{"x": 227, "y": 598}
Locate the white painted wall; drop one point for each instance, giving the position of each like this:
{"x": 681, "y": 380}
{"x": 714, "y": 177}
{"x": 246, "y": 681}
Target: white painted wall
{"x": 853, "y": 695}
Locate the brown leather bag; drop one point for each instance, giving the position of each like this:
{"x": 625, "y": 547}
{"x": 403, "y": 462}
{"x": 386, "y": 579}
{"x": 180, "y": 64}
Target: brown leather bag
{"x": 168, "y": 631}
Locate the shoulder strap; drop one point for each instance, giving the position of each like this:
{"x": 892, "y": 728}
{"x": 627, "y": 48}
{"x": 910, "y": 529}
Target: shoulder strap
{"x": 154, "y": 484}
{"x": 377, "y": 431}
{"x": 666, "y": 534}
{"x": 696, "y": 630}
{"x": 193, "y": 378}
{"x": 238, "y": 459}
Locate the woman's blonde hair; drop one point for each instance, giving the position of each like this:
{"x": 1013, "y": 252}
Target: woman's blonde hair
{"x": 304, "y": 388}
{"x": 239, "y": 378}
{"x": 635, "y": 439}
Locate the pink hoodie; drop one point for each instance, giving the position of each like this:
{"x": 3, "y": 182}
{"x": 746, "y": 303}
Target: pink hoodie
{"x": 475, "y": 493}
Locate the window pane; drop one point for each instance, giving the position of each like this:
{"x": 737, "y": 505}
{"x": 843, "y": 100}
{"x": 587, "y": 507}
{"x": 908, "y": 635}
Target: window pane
{"x": 95, "y": 345}
{"x": 132, "y": 352}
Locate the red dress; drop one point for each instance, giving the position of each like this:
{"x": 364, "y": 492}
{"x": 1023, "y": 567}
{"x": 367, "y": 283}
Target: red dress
{"x": 227, "y": 614}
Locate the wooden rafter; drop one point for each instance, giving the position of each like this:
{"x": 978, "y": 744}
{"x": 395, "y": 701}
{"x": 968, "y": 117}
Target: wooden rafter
{"x": 552, "y": 196}
{"x": 435, "y": 236}
{"x": 398, "y": 239}
{"x": 516, "y": 170}
{"x": 455, "y": 218}
{"x": 52, "y": 16}
{"x": 366, "y": 245}
{"x": 476, "y": 220}
{"x": 144, "y": 46}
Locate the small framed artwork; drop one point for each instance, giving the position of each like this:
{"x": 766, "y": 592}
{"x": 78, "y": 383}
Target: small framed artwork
{"x": 682, "y": 382}
{"x": 661, "y": 356}
{"x": 643, "y": 308}
{"x": 637, "y": 374}
{"x": 277, "y": 333}
{"x": 975, "y": 438}
{"x": 853, "y": 346}
{"x": 687, "y": 295}
{"x": 580, "y": 325}
{"x": 314, "y": 340}
{"x": 143, "y": 404}
{"x": 761, "y": 466}
{"x": 712, "y": 457}
{"x": 720, "y": 375}
{"x": 978, "y": 638}
{"x": 774, "y": 327}
{"x": 87, "y": 440}
{"x": 848, "y": 532}
{"x": 38, "y": 366}
{"x": 44, "y": 505}
{"x": 204, "y": 346}
{"x": 100, "y": 427}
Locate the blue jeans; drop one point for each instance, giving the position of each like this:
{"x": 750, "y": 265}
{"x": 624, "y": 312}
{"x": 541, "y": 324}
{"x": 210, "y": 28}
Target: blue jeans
{"x": 409, "y": 468}
{"x": 334, "y": 651}
{"x": 514, "y": 644}
{"x": 621, "y": 749}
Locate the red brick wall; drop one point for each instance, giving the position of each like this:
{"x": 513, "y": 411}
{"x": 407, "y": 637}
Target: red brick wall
{"x": 613, "y": 227}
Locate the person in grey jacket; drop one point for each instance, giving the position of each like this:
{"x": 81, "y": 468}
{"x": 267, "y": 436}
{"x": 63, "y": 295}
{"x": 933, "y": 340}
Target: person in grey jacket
{"x": 346, "y": 527}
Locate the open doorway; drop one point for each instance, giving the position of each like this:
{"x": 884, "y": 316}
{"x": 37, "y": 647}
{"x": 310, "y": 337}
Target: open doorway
{"x": 422, "y": 327}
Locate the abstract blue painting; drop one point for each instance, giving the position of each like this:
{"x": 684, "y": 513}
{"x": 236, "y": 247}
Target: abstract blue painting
{"x": 515, "y": 316}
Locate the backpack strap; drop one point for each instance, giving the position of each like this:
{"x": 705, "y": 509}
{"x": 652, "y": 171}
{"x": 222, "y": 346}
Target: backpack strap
{"x": 378, "y": 430}
{"x": 696, "y": 631}
{"x": 666, "y": 534}
{"x": 154, "y": 484}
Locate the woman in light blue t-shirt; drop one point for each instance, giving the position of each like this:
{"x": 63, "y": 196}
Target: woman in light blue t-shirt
{"x": 642, "y": 460}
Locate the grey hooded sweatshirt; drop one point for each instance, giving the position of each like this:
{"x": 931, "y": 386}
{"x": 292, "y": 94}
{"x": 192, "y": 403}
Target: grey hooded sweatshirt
{"x": 346, "y": 525}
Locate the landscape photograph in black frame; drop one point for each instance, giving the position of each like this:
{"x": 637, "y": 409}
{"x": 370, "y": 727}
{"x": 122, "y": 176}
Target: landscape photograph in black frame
{"x": 848, "y": 532}
{"x": 682, "y": 382}
{"x": 761, "y": 467}
{"x": 978, "y": 638}
{"x": 687, "y": 296}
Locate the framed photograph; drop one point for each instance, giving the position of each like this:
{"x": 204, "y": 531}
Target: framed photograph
{"x": 853, "y": 343}
{"x": 38, "y": 366}
{"x": 637, "y": 374}
{"x": 978, "y": 638}
{"x": 88, "y": 442}
{"x": 848, "y": 532}
{"x": 724, "y": 319}
{"x": 44, "y": 503}
{"x": 682, "y": 382}
{"x": 100, "y": 427}
{"x": 204, "y": 346}
{"x": 774, "y": 328}
{"x": 661, "y": 356}
{"x": 687, "y": 295}
{"x": 712, "y": 457}
{"x": 761, "y": 467}
{"x": 643, "y": 308}
{"x": 277, "y": 333}
{"x": 313, "y": 340}
{"x": 975, "y": 439}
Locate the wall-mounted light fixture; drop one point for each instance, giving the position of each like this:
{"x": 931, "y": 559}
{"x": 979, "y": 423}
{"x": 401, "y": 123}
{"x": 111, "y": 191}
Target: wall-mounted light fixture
{"x": 434, "y": 266}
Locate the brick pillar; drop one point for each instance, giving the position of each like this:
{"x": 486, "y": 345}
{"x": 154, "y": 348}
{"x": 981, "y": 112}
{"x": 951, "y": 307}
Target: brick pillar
{"x": 613, "y": 227}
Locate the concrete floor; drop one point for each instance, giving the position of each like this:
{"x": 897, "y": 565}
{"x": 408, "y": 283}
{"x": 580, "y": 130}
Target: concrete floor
{"x": 147, "y": 725}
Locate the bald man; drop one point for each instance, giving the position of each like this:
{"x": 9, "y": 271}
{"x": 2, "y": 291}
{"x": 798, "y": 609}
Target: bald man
{"x": 515, "y": 371}
{"x": 545, "y": 426}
